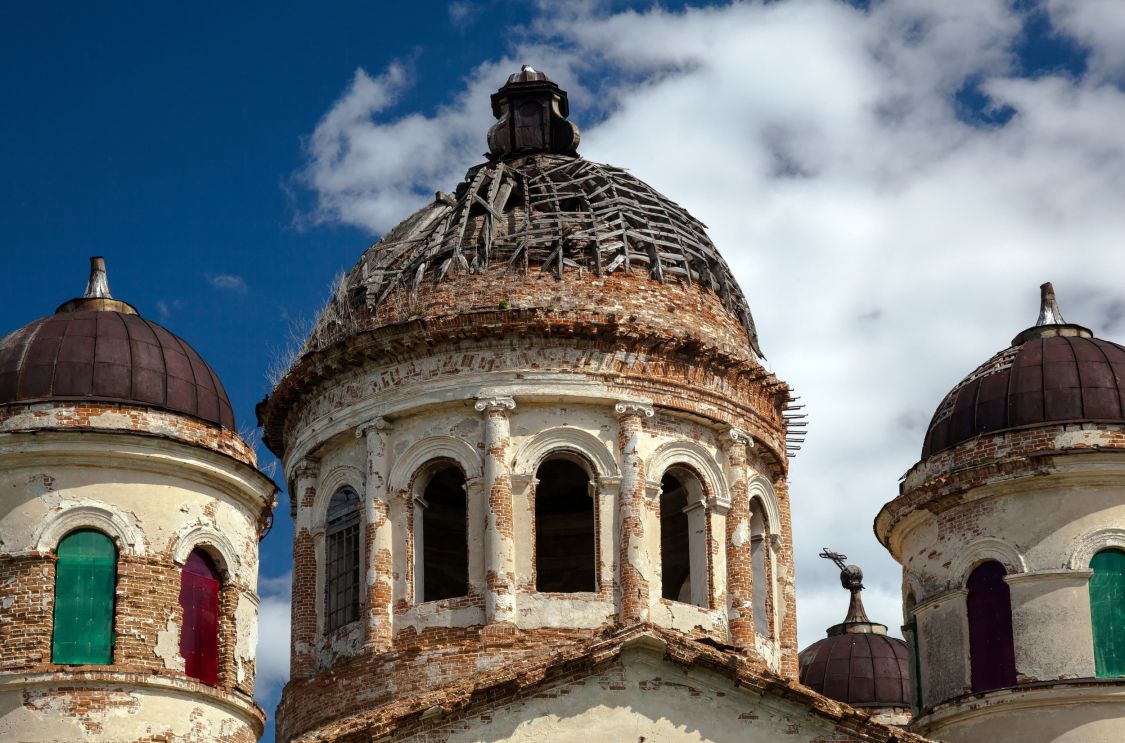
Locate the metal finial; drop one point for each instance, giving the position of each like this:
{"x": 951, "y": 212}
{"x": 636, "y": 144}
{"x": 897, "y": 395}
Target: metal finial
{"x": 851, "y": 578}
{"x": 98, "y": 285}
{"x": 1049, "y": 312}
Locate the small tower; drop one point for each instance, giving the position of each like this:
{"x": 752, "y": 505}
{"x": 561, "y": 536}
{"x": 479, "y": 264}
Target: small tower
{"x": 858, "y": 663}
{"x": 130, "y": 514}
{"x": 1011, "y": 534}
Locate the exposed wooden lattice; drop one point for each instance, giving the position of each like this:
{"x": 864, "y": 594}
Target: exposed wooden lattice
{"x": 542, "y": 212}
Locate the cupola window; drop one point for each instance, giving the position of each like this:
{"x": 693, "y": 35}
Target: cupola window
{"x": 759, "y": 566}
{"x": 992, "y": 653}
{"x": 683, "y": 538}
{"x": 85, "y": 582}
{"x": 341, "y": 569}
{"x": 564, "y": 528}
{"x": 199, "y": 598}
{"x": 1107, "y": 609}
{"x": 441, "y": 537}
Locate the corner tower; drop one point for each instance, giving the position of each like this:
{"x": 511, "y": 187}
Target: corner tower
{"x": 130, "y": 513}
{"x": 532, "y": 417}
{"x": 1011, "y": 534}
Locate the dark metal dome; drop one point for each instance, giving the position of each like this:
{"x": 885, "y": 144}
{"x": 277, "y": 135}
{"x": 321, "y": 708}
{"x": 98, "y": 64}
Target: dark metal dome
{"x": 857, "y": 663}
{"x": 1053, "y": 372}
{"x": 863, "y": 669}
{"x": 97, "y": 348}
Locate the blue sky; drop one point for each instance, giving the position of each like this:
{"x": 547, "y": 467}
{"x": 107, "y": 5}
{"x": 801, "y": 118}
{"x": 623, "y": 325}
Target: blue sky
{"x": 890, "y": 182}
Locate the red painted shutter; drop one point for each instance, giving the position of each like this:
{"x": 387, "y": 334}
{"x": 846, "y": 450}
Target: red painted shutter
{"x": 199, "y": 597}
{"x": 992, "y": 653}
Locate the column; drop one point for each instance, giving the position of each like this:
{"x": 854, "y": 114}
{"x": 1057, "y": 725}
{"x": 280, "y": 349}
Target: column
{"x": 739, "y": 545}
{"x": 303, "y": 609}
{"x": 499, "y": 542}
{"x": 633, "y": 560}
{"x": 379, "y": 621}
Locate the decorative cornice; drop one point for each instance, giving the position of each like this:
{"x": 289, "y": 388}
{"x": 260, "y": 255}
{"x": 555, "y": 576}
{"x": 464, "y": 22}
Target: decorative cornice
{"x": 628, "y": 407}
{"x": 1039, "y": 576}
{"x": 500, "y": 403}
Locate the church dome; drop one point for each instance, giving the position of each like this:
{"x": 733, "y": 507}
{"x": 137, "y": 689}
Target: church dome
{"x": 97, "y": 348}
{"x": 535, "y": 241}
{"x": 857, "y": 663}
{"x": 1053, "y": 372}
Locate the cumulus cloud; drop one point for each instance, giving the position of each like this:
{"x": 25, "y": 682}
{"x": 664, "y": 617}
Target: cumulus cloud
{"x": 226, "y": 282}
{"x": 888, "y": 238}
{"x": 273, "y": 639}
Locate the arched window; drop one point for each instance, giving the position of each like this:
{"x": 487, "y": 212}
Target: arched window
{"x": 85, "y": 581}
{"x": 683, "y": 538}
{"x": 341, "y": 565}
{"x": 564, "y": 528}
{"x": 992, "y": 653}
{"x": 199, "y": 598}
{"x": 912, "y": 638}
{"x": 759, "y": 569}
{"x": 441, "y": 537}
{"x": 1107, "y": 609}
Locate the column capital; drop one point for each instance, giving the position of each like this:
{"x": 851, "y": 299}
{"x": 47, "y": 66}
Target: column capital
{"x": 502, "y": 403}
{"x": 631, "y": 407}
{"x": 718, "y": 506}
{"x": 306, "y": 468}
{"x": 734, "y": 436}
{"x": 380, "y": 426}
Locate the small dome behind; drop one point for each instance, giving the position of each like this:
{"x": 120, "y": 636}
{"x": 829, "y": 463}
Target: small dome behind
{"x": 1054, "y": 372}
{"x": 857, "y": 663}
{"x": 97, "y": 348}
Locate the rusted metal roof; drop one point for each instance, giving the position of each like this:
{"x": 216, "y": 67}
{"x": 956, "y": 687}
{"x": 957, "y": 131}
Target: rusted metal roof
{"x": 97, "y": 348}
{"x": 1054, "y": 372}
{"x": 860, "y": 669}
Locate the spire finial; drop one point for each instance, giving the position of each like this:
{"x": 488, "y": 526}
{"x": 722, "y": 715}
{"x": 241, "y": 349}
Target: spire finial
{"x": 532, "y": 113}
{"x": 1049, "y": 312}
{"x": 98, "y": 285}
{"x": 851, "y": 578}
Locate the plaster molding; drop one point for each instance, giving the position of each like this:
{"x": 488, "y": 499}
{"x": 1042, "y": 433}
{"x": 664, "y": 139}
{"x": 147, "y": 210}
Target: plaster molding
{"x": 307, "y": 468}
{"x": 330, "y": 483}
{"x": 431, "y": 448}
{"x": 89, "y": 514}
{"x": 629, "y": 407}
{"x": 499, "y": 403}
{"x": 983, "y": 550}
{"x": 1040, "y": 576}
{"x": 1085, "y": 547}
{"x": 213, "y": 541}
{"x": 565, "y": 439}
{"x": 761, "y": 490}
{"x": 694, "y": 457}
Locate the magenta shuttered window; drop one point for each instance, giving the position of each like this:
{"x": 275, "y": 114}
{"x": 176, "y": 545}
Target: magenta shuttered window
{"x": 992, "y": 653}
{"x": 199, "y": 597}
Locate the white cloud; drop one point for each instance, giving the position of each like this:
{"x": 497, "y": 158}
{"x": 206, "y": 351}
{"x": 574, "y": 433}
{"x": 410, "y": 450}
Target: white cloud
{"x": 886, "y": 246}
{"x": 1100, "y": 26}
{"x": 461, "y": 13}
{"x": 273, "y": 639}
{"x": 226, "y": 282}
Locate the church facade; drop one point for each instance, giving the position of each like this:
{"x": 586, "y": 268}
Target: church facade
{"x": 539, "y": 480}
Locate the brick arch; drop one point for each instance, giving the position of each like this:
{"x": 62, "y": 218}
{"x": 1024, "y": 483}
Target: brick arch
{"x": 695, "y": 458}
{"x": 424, "y": 451}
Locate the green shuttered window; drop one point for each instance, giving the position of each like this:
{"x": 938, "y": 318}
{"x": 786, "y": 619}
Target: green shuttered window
{"x": 85, "y": 578}
{"x": 1107, "y": 612}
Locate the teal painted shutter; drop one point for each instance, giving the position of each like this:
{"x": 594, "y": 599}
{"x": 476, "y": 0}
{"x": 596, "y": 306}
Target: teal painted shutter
{"x": 85, "y": 578}
{"x": 1107, "y": 612}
